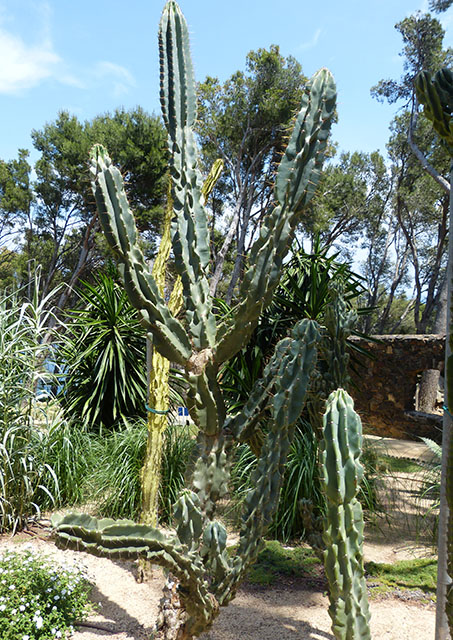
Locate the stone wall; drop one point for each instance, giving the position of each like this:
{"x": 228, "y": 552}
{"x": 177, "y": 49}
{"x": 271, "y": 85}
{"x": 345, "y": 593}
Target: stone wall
{"x": 385, "y": 386}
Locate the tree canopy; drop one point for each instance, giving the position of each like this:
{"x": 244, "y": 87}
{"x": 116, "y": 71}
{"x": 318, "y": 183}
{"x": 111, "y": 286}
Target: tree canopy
{"x": 244, "y": 121}
{"x": 53, "y": 217}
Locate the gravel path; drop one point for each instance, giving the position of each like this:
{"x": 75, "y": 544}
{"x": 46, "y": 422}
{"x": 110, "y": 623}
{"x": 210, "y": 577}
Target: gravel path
{"x": 288, "y": 611}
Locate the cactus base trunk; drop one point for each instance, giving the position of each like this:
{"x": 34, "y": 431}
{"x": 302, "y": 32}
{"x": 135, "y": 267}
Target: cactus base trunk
{"x": 173, "y": 622}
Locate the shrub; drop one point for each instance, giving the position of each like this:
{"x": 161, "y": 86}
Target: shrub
{"x": 23, "y": 351}
{"x": 118, "y": 474}
{"x": 39, "y": 599}
{"x": 68, "y": 453}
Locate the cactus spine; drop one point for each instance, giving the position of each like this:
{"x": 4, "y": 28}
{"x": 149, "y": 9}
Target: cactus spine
{"x": 436, "y": 95}
{"x": 206, "y": 576}
{"x": 343, "y": 536}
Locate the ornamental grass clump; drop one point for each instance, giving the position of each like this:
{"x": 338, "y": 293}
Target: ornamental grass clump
{"x": 39, "y": 598}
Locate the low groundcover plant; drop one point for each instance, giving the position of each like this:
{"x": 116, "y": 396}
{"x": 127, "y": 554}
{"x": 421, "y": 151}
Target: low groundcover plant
{"x": 40, "y": 599}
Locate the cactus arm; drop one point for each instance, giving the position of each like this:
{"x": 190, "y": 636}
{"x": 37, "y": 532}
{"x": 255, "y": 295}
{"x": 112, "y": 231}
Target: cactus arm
{"x": 436, "y": 95}
{"x": 297, "y": 178}
{"x": 118, "y": 224}
{"x": 212, "y": 179}
{"x": 300, "y": 168}
{"x": 190, "y": 228}
{"x": 125, "y": 539}
{"x": 343, "y": 535}
{"x": 294, "y": 363}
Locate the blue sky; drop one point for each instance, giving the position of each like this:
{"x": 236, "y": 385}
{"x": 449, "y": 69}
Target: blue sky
{"x": 89, "y": 57}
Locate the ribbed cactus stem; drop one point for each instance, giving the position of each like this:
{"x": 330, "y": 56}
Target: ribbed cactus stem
{"x": 207, "y": 577}
{"x": 343, "y": 535}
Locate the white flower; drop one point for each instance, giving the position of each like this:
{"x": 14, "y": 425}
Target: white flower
{"x": 22, "y": 607}
{"x": 25, "y": 637}
{"x": 39, "y": 622}
{"x": 2, "y": 607}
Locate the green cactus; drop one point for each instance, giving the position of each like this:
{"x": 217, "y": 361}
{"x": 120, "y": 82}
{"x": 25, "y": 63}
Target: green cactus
{"x": 206, "y": 577}
{"x": 339, "y": 322}
{"x": 343, "y": 534}
{"x": 436, "y": 95}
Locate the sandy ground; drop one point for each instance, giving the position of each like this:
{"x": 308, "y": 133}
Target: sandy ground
{"x": 295, "y": 609}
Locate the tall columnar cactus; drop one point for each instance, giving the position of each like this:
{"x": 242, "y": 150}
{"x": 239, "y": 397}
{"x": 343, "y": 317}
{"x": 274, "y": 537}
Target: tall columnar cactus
{"x": 343, "y": 536}
{"x": 206, "y": 576}
{"x": 436, "y": 95}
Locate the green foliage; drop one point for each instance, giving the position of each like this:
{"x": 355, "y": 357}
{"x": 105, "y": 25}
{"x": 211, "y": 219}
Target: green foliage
{"x": 440, "y": 5}
{"x": 420, "y": 574}
{"x": 432, "y": 474}
{"x": 276, "y": 561}
{"x": 178, "y": 450}
{"x": 306, "y": 290}
{"x": 135, "y": 138}
{"x": 69, "y": 454}
{"x": 422, "y": 37}
{"x": 38, "y": 598}
{"x": 115, "y": 479}
{"x": 300, "y": 482}
{"x": 50, "y": 219}
{"x": 104, "y": 355}
{"x": 400, "y": 465}
{"x": 23, "y": 327}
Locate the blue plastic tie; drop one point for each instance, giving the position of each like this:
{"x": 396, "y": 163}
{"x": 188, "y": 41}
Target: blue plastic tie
{"x": 445, "y": 408}
{"x": 159, "y": 413}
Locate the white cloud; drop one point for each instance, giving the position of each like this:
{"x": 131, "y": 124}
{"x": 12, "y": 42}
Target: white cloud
{"x": 120, "y": 78}
{"x": 24, "y": 66}
{"x": 311, "y": 43}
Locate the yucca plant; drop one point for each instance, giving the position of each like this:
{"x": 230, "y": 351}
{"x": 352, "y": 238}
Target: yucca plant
{"x": 104, "y": 356}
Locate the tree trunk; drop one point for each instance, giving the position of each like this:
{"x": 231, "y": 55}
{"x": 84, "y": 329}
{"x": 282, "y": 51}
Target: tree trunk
{"x": 427, "y": 391}
{"x": 429, "y": 383}
{"x": 445, "y": 542}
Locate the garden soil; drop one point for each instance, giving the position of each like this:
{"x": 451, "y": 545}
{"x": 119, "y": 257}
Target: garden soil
{"x": 290, "y": 610}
